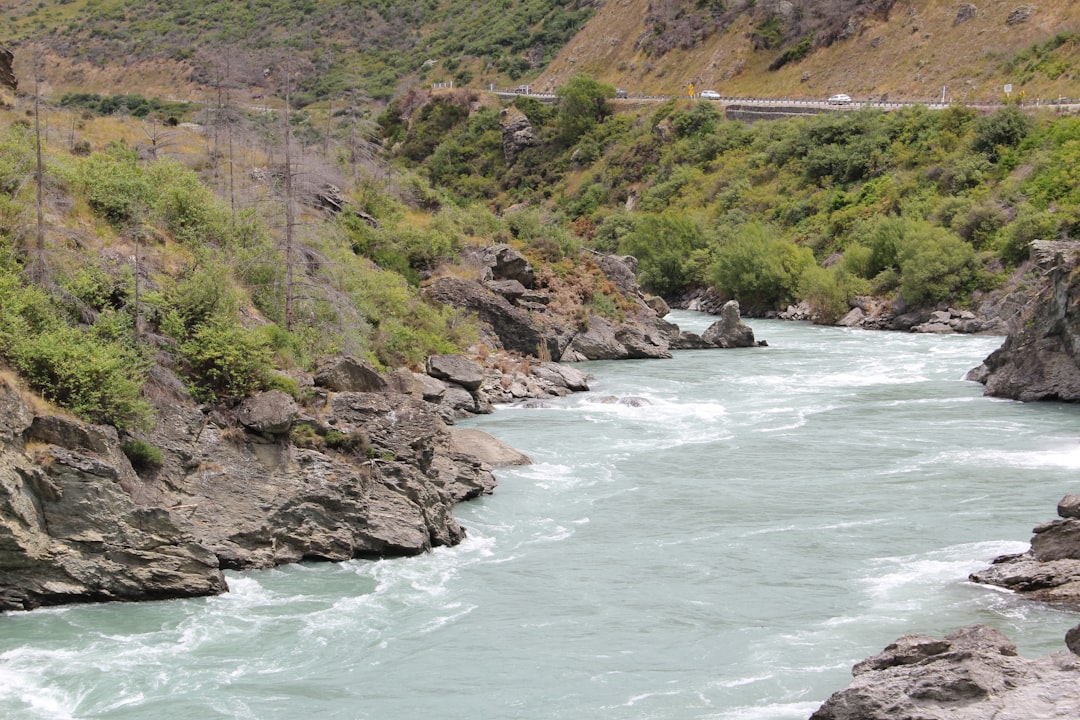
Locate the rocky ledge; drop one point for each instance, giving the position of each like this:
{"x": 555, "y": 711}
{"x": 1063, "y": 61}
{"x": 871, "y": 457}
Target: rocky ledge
{"x": 1050, "y": 570}
{"x": 1040, "y": 359}
{"x": 974, "y": 673}
{"x": 367, "y": 466}
{"x": 544, "y": 317}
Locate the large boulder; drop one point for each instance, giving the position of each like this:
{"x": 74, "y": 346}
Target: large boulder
{"x": 269, "y": 413}
{"x": 510, "y": 328}
{"x": 457, "y": 369}
{"x": 971, "y": 674}
{"x": 729, "y": 331}
{"x": 346, "y": 373}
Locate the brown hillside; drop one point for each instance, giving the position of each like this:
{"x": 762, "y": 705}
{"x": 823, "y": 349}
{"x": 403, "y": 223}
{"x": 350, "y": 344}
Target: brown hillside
{"x": 910, "y": 54}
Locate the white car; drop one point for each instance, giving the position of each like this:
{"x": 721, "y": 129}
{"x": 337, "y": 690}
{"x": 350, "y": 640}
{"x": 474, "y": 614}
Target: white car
{"x": 710, "y": 95}
{"x": 839, "y": 99}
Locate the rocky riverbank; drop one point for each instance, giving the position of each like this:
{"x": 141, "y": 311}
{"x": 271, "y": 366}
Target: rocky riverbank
{"x": 1050, "y": 570}
{"x": 974, "y": 673}
{"x": 360, "y": 464}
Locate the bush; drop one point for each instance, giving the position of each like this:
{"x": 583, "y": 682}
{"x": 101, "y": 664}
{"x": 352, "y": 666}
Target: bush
{"x": 662, "y": 244}
{"x": 1030, "y": 224}
{"x": 934, "y": 264}
{"x": 760, "y": 268}
{"x": 1006, "y": 128}
{"x": 224, "y": 360}
{"x": 142, "y": 454}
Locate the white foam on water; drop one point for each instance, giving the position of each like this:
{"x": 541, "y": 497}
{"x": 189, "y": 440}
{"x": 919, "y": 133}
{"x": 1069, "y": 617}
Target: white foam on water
{"x": 741, "y": 681}
{"x": 771, "y": 711}
{"x": 25, "y": 689}
{"x": 893, "y": 579}
{"x": 635, "y": 699}
{"x": 440, "y": 621}
{"x": 1066, "y": 457}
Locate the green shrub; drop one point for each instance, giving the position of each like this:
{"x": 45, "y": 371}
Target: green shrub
{"x": 1029, "y": 225}
{"x": 662, "y": 244}
{"x": 225, "y": 360}
{"x": 1006, "y": 128}
{"x": 760, "y": 268}
{"x": 115, "y": 186}
{"x": 142, "y": 454}
{"x": 935, "y": 264}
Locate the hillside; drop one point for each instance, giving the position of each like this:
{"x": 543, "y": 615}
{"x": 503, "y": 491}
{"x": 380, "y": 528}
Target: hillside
{"x": 907, "y": 50}
{"x": 334, "y": 48}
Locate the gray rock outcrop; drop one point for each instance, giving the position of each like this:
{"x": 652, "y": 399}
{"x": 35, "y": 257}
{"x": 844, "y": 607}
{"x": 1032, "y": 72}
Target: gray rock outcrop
{"x": 70, "y": 531}
{"x": 7, "y": 75}
{"x": 517, "y": 133}
{"x": 971, "y": 674}
{"x": 1050, "y": 570}
{"x": 346, "y": 373}
{"x": 511, "y": 328}
{"x": 1040, "y": 359}
{"x": 727, "y": 332}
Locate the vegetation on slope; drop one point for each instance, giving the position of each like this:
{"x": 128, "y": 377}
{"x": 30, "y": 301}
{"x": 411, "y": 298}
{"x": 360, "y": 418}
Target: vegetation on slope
{"x": 935, "y": 207}
{"x": 335, "y": 47}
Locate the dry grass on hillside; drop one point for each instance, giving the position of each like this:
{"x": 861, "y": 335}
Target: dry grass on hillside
{"x": 910, "y": 56}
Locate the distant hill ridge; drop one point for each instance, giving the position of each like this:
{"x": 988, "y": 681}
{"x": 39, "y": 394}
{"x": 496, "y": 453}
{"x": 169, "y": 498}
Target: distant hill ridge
{"x": 911, "y": 50}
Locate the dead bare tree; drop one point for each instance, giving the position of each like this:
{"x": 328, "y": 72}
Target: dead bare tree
{"x": 38, "y": 266}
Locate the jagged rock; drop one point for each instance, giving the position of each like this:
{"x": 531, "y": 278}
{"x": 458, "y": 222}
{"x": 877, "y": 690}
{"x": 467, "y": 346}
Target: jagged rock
{"x": 268, "y": 413}
{"x": 506, "y": 263}
{"x": 1050, "y": 570}
{"x": 71, "y": 532}
{"x": 330, "y": 198}
{"x": 517, "y": 133}
{"x": 512, "y": 290}
{"x": 971, "y": 674}
{"x": 457, "y": 369}
{"x": 603, "y": 339}
{"x": 622, "y": 271}
{"x": 658, "y": 305}
{"x": 511, "y": 328}
{"x": 349, "y": 374}
{"x": 1039, "y": 359}
{"x": 7, "y": 75}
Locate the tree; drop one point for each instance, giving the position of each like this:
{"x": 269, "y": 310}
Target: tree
{"x": 582, "y": 104}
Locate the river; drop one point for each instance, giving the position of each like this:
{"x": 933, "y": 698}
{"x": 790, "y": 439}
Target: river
{"x": 723, "y": 543}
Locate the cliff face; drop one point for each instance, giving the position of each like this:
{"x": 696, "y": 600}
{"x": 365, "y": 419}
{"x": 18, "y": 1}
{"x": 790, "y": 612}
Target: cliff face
{"x": 69, "y": 530}
{"x": 1040, "y": 359}
{"x": 358, "y": 471}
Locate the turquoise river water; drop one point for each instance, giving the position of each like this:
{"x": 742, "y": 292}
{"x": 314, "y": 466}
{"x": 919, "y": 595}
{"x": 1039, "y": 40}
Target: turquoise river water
{"x": 726, "y": 552}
